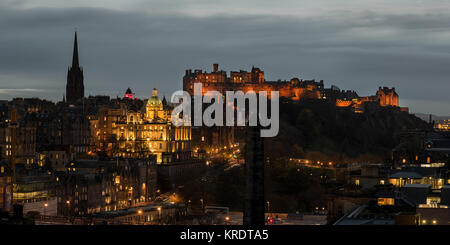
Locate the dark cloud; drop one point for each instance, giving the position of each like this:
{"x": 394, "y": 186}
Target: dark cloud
{"x": 120, "y": 49}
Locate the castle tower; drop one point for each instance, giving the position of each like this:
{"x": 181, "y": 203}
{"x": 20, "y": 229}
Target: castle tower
{"x": 387, "y": 96}
{"x": 75, "y": 86}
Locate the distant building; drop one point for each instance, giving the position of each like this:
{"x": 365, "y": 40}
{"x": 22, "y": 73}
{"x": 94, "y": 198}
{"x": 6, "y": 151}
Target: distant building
{"x": 56, "y": 157}
{"x": 384, "y": 97}
{"x": 34, "y": 189}
{"x": 18, "y": 140}
{"x": 366, "y": 176}
{"x": 5, "y": 185}
{"x": 387, "y": 96}
{"x": 94, "y": 186}
{"x": 443, "y": 125}
{"x": 128, "y": 94}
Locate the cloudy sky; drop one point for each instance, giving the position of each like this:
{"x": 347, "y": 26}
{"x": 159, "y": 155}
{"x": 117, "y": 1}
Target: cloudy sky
{"x": 353, "y": 44}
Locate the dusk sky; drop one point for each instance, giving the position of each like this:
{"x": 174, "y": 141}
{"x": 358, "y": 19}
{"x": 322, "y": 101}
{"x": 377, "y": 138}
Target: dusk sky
{"x": 353, "y": 44}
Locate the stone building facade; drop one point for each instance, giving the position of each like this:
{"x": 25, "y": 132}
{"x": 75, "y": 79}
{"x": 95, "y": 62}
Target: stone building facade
{"x": 94, "y": 186}
{"x": 129, "y": 131}
{"x": 384, "y": 97}
{"x": 253, "y": 80}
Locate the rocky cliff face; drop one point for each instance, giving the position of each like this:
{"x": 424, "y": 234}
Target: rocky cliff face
{"x": 312, "y": 129}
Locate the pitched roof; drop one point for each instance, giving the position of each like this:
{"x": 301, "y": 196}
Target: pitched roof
{"x": 406, "y": 175}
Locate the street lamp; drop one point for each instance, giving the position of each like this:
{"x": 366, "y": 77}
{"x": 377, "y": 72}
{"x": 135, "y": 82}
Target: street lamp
{"x": 139, "y": 212}
{"x": 159, "y": 213}
{"x": 45, "y": 208}
{"x": 68, "y": 207}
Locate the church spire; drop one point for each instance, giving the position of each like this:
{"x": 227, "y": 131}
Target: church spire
{"x": 74, "y": 86}
{"x": 75, "y": 62}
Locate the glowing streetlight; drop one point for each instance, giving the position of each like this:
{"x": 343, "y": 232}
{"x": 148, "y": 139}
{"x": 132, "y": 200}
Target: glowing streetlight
{"x": 159, "y": 213}
{"x": 45, "y": 208}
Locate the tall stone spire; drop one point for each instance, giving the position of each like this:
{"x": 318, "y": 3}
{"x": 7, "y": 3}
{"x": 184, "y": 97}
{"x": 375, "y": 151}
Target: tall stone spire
{"x": 75, "y": 86}
{"x": 75, "y": 62}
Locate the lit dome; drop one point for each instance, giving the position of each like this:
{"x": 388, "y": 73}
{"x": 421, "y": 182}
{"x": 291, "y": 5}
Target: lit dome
{"x": 154, "y": 100}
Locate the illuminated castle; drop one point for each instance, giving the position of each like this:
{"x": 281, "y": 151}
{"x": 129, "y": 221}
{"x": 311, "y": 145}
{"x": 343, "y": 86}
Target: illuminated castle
{"x": 254, "y": 80}
{"x": 384, "y": 97}
{"x": 295, "y": 89}
{"x": 132, "y": 132}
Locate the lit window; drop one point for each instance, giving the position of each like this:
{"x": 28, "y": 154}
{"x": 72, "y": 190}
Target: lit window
{"x": 433, "y": 200}
{"x": 385, "y": 201}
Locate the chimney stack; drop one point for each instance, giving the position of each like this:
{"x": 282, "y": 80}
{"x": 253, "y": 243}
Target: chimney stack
{"x": 215, "y": 67}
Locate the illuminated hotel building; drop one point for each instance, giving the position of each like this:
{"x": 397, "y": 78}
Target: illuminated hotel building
{"x": 131, "y": 131}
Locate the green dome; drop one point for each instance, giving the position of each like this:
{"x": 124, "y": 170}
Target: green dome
{"x": 154, "y": 100}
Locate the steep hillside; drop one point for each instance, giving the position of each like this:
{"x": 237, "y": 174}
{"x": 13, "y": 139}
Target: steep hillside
{"x": 319, "y": 130}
